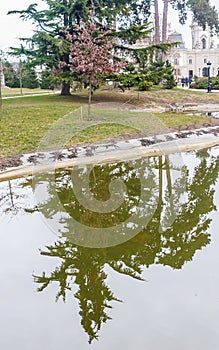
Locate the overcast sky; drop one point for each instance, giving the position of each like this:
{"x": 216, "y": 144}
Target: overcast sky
{"x": 12, "y": 27}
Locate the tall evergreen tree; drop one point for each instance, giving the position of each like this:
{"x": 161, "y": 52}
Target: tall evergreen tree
{"x": 11, "y": 76}
{"x": 29, "y": 78}
{"x": 45, "y": 80}
{"x": 46, "y": 45}
{"x": 47, "y": 42}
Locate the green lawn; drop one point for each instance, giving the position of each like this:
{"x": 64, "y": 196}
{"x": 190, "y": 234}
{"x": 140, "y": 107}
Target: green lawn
{"x": 7, "y": 92}
{"x": 25, "y": 121}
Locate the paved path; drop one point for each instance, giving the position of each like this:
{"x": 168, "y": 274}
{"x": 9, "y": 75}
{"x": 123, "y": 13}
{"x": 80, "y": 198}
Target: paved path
{"x": 200, "y": 90}
{"x": 30, "y": 95}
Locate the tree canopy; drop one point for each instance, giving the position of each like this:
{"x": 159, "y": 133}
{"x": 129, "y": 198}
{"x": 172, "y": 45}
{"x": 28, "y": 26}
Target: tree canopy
{"x": 127, "y": 18}
{"x": 50, "y": 22}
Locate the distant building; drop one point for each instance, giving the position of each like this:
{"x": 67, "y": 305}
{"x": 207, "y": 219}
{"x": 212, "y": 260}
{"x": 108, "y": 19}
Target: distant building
{"x": 195, "y": 61}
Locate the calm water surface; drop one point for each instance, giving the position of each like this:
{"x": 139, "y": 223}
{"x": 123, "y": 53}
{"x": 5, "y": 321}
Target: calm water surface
{"x": 157, "y": 289}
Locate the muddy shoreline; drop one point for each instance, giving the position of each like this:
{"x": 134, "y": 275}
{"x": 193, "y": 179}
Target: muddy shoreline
{"x": 114, "y": 151}
{"x": 16, "y": 161}
{"x": 32, "y": 158}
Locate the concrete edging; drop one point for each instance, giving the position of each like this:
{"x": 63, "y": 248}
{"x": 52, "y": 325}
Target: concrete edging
{"x": 163, "y": 148}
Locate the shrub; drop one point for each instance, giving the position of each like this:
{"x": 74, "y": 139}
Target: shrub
{"x": 169, "y": 81}
{"x": 145, "y": 85}
{"x": 215, "y": 83}
{"x": 202, "y": 83}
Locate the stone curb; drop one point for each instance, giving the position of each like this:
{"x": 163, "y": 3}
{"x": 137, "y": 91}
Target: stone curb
{"x": 118, "y": 151}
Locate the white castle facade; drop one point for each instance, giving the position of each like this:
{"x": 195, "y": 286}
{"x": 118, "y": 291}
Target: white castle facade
{"x": 197, "y": 60}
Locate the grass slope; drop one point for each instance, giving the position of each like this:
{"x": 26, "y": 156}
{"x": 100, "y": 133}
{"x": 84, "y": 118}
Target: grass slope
{"x": 24, "y": 121}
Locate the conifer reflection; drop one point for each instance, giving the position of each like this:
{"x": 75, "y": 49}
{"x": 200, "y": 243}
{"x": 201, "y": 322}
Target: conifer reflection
{"x": 165, "y": 240}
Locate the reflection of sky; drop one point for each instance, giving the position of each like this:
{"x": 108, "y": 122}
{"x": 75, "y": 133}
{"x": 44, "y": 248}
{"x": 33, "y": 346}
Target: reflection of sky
{"x": 171, "y": 310}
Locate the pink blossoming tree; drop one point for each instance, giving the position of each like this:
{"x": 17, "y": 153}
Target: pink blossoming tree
{"x": 91, "y": 55}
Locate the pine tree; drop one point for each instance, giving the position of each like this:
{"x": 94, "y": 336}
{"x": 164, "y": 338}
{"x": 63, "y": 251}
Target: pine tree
{"x": 30, "y": 79}
{"x": 45, "y": 80}
{"x": 47, "y": 43}
{"x": 11, "y": 76}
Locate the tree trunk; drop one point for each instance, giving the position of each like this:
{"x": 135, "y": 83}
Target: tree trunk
{"x": 164, "y": 23}
{"x": 114, "y": 22}
{"x": 65, "y": 89}
{"x": 66, "y": 73}
{"x": 160, "y": 198}
{"x": 89, "y": 99}
{"x": 158, "y": 211}
{"x": 156, "y": 22}
{"x": 20, "y": 77}
{"x": 11, "y": 193}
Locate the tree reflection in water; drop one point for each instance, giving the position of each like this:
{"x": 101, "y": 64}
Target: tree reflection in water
{"x": 176, "y": 230}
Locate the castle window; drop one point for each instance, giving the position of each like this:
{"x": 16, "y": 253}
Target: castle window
{"x": 205, "y": 60}
{"x": 176, "y": 61}
{"x": 190, "y": 60}
{"x": 204, "y": 43}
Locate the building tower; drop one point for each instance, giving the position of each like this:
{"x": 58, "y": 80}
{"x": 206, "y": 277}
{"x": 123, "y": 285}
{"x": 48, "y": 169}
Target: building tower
{"x": 201, "y": 39}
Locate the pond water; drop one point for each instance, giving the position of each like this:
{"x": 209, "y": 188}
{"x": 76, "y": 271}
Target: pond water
{"x": 149, "y": 282}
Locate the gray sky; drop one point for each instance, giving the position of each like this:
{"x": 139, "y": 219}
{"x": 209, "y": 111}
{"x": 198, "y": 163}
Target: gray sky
{"x": 12, "y": 27}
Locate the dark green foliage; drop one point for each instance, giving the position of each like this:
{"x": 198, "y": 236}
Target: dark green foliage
{"x": 202, "y": 83}
{"x": 29, "y": 79}
{"x": 202, "y": 12}
{"x": 173, "y": 246}
{"x": 45, "y": 81}
{"x": 169, "y": 81}
{"x": 145, "y": 85}
{"x": 132, "y": 34}
{"x": 11, "y": 76}
{"x": 130, "y": 68}
{"x": 127, "y": 80}
{"x": 158, "y": 72}
{"x": 49, "y": 47}
{"x": 161, "y": 73}
{"x": 150, "y": 54}
{"x": 168, "y": 77}
{"x": 215, "y": 83}
{"x": 48, "y": 44}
